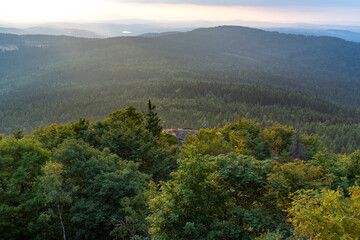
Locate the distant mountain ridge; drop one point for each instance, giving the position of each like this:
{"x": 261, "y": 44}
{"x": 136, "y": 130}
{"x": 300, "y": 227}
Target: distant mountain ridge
{"x": 207, "y": 75}
{"x": 343, "y": 34}
{"x": 283, "y": 58}
{"x": 93, "y": 30}
{"x": 51, "y": 31}
{"x": 145, "y": 28}
{"x": 11, "y": 30}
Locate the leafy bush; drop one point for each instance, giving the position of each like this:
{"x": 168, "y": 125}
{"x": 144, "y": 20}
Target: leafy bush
{"x": 327, "y": 214}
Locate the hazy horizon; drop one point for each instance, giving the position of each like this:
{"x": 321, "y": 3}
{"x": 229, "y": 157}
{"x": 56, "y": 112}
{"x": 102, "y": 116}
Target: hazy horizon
{"x": 81, "y": 11}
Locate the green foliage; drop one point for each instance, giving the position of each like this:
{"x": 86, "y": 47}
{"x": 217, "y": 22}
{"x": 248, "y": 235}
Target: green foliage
{"x": 206, "y": 142}
{"x": 153, "y": 121}
{"x": 290, "y": 177}
{"x": 55, "y": 193}
{"x": 280, "y": 138}
{"x": 327, "y": 214}
{"x": 91, "y": 180}
{"x": 135, "y": 225}
{"x": 52, "y": 135}
{"x": 250, "y": 138}
{"x": 80, "y": 129}
{"x": 262, "y": 150}
{"x": 333, "y": 136}
{"x": 88, "y": 184}
{"x": 21, "y": 162}
{"x": 272, "y": 236}
{"x": 312, "y": 146}
{"x": 334, "y": 169}
{"x": 102, "y": 179}
{"x": 243, "y": 128}
{"x": 212, "y": 198}
{"x": 247, "y": 137}
{"x": 193, "y": 77}
{"x": 18, "y": 133}
{"x": 101, "y": 203}
{"x": 280, "y": 236}
{"x": 353, "y": 167}
{"x": 124, "y": 133}
{"x": 129, "y": 117}
{"x": 169, "y": 139}
{"x": 244, "y": 137}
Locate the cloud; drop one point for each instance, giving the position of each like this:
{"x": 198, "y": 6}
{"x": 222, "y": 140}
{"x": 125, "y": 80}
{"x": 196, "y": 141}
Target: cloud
{"x": 254, "y": 2}
{"x": 114, "y": 10}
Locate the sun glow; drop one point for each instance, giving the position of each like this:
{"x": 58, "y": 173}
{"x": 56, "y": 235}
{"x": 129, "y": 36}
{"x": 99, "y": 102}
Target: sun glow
{"x": 45, "y": 10}
{"x": 107, "y": 10}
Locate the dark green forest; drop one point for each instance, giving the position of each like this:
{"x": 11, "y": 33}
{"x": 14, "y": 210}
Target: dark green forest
{"x": 124, "y": 178}
{"x": 207, "y": 76}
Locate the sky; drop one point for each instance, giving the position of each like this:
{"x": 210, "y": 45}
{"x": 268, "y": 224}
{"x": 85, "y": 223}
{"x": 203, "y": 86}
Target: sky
{"x": 336, "y": 12}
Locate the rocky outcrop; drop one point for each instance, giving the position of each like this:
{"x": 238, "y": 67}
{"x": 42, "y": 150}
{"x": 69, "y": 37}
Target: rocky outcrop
{"x": 181, "y": 133}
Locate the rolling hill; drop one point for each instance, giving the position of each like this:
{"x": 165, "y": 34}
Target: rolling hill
{"x": 210, "y": 75}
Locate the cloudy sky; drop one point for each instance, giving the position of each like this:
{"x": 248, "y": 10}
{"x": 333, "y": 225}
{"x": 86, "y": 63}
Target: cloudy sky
{"x": 286, "y": 11}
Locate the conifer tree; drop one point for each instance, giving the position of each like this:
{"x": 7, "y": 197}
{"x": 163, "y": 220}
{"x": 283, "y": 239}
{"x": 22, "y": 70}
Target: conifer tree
{"x": 153, "y": 121}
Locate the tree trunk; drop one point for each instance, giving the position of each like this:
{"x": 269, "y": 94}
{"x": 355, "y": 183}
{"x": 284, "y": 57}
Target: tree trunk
{"x": 62, "y": 225}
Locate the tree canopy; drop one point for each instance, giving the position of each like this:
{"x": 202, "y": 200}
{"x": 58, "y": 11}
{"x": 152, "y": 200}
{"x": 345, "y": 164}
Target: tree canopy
{"x": 116, "y": 179}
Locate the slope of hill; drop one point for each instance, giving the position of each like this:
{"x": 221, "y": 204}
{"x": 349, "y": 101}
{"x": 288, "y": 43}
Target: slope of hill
{"x": 204, "y": 76}
{"x": 11, "y": 30}
{"x": 339, "y": 33}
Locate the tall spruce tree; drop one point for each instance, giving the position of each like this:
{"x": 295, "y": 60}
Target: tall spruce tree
{"x": 153, "y": 121}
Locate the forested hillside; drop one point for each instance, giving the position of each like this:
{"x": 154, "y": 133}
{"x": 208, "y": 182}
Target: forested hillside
{"x": 123, "y": 178}
{"x": 211, "y": 76}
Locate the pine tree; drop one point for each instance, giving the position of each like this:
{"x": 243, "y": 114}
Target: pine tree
{"x": 153, "y": 121}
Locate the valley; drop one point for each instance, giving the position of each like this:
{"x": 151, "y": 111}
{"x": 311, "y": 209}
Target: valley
{"x": 209, "y": 75}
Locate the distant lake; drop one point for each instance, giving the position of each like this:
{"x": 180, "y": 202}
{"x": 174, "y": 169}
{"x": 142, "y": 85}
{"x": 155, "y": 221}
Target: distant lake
{"x": 4, "y": 48}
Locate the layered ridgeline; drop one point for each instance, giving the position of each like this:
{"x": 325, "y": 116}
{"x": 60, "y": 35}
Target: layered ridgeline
{"x": 206, "y": 76}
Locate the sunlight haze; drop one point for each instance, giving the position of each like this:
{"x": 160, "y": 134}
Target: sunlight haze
{"x": 332, "y": 12}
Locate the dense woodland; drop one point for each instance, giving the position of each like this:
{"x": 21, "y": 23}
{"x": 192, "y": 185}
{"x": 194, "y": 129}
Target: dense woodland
{"x": 207, "y": 76}
{"x": 280, "y": 158}
{"x": 123, "y": 178}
